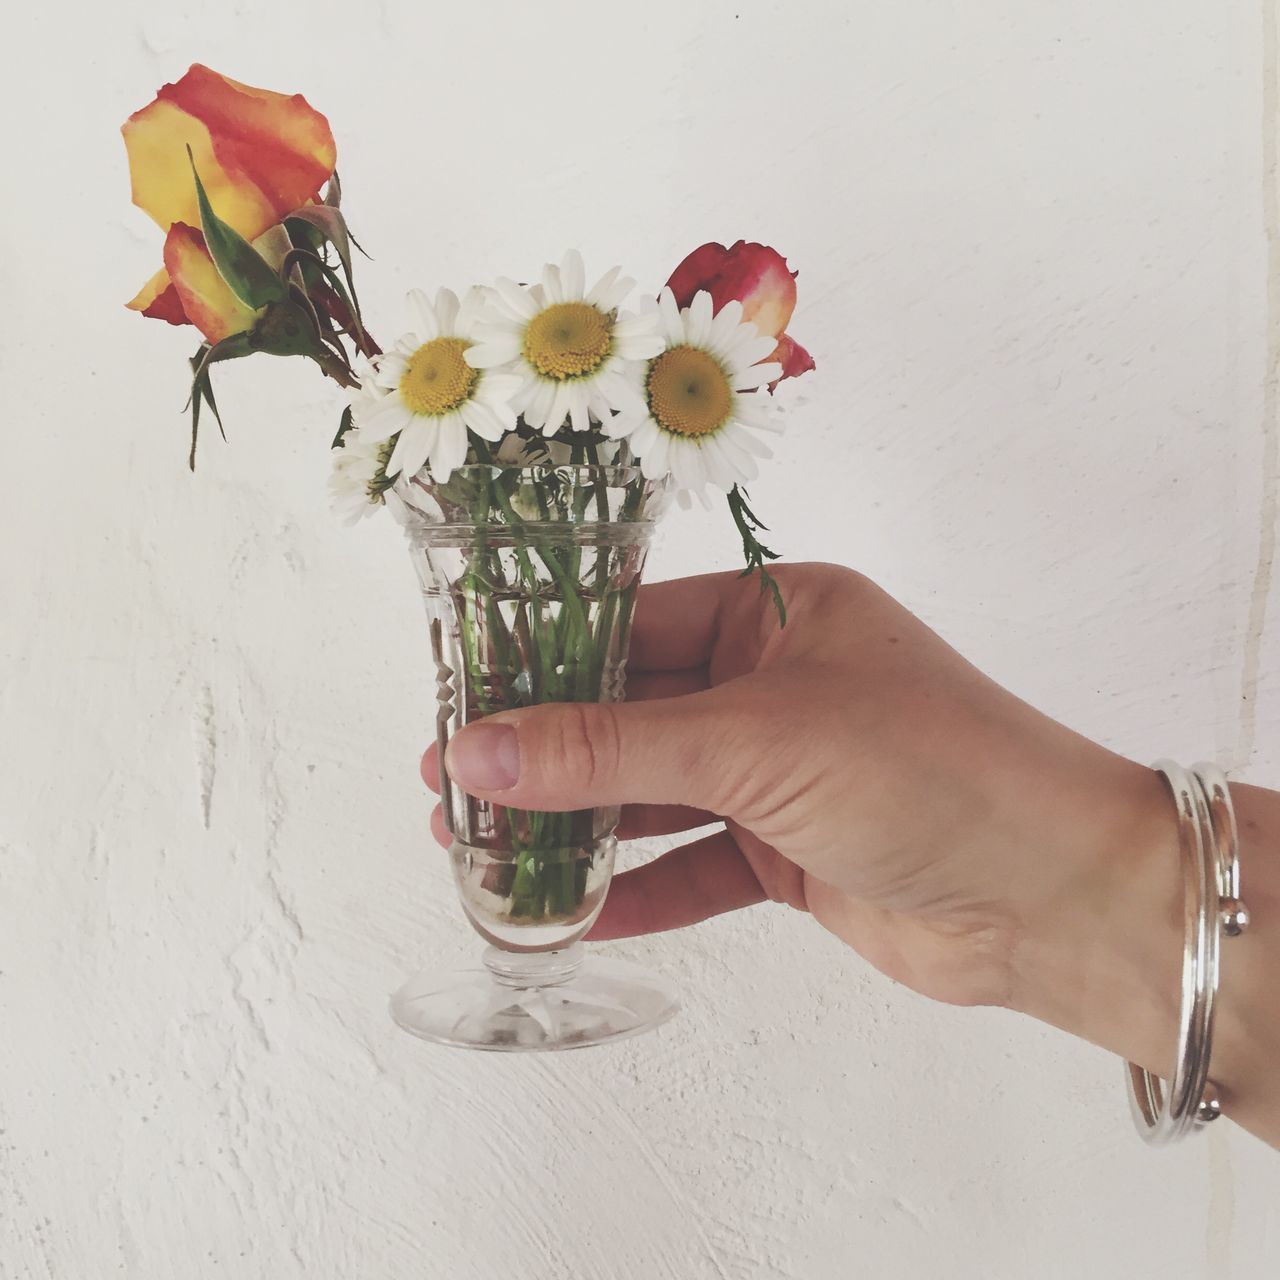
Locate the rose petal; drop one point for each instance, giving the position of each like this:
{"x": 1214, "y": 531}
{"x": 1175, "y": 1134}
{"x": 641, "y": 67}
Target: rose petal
{"x": 158, "y": 300}
{"x": 206, "y": 298}
{"x": 260, "y": 154}
{"x": 754, "y": 274}
{"x": 793, "y": 358}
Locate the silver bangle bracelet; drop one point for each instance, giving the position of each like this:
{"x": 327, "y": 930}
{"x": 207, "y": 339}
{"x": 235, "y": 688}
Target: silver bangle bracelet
{"x": 1209, "y": 844}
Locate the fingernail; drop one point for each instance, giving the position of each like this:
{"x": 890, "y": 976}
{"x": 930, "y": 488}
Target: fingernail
{"x": 484, "y": 757}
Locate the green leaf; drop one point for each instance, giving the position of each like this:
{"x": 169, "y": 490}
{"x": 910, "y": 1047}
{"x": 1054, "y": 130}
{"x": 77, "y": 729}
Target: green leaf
{"x": 332, "y": 228}
{"x": 333, "y": 198}
{"x": 231, "y": 348}
{"x": 331, "y": 225}
{"x": 754, "y": 551}
{"x": 307, "y": 259}
{"x": 247, "y": 273}
{"x": 345, "y": 423}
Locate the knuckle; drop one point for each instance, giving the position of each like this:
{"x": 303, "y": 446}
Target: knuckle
{"x": 585, "y": 747}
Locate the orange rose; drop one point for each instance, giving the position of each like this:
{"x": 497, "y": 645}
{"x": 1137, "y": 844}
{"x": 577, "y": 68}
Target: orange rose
{"x": 260, "y": 154}
{"x": 756, "y": 276}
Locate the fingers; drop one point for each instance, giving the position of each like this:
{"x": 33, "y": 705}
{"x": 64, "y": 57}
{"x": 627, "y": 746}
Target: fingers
{"x": 676, "y": 623}
{"x": 583, "y": 755}
{"x": 442, "y": 835}
{"x": 641, "y": 820}
{"x": 430, "y": 768}
{"x": 641, "y": 686}
{"x": 689, "y": 884}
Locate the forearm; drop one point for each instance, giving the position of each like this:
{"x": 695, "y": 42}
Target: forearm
{"x": 1106, "y": 963}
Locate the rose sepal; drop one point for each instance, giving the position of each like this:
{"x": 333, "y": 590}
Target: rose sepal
{"x": 247, "y": 273}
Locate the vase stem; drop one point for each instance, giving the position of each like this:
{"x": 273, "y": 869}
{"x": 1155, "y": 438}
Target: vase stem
{"x": 522, "y": 970}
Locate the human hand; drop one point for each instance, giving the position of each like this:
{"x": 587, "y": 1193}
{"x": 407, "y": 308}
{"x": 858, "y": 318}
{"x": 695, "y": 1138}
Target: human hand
{"x": 963, "y": 842}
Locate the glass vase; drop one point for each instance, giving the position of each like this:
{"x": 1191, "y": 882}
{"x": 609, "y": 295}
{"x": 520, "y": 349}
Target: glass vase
{"x": 529, "y": 576}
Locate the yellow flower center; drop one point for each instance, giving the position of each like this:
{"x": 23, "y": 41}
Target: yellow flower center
{"x": 689, "y": 392}
{"x": 568, "y": 340}
{"x": 438, "y": 379}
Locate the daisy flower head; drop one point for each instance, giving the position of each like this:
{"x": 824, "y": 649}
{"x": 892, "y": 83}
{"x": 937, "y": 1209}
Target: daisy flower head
{"x": 358, "y": 483}
{"x": 701, "y": 416}
{"x": 576, "y": 354}
{"x": 424, "y": 395}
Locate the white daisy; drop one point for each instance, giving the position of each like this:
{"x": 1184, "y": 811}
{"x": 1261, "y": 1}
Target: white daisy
{"x": 575, "y": 353}
{"x": 702, "y": 409}
{"x": 425, "y": 394}
{"x": 358, "y": 484}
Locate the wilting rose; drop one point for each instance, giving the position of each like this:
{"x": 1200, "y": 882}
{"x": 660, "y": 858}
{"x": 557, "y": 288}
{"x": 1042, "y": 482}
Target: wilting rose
{"x": 260, "y": 154}
{"x": 756, "y": 276}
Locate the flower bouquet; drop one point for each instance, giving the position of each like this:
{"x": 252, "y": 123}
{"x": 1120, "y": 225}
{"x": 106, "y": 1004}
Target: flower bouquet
{"x": 527, "y": 437}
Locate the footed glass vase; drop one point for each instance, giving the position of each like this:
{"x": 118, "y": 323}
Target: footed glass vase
{"x": 530, "y": 576}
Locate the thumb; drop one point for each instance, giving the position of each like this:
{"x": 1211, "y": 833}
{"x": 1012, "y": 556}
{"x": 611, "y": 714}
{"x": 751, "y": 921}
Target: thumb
{"x": 565, "y": 756}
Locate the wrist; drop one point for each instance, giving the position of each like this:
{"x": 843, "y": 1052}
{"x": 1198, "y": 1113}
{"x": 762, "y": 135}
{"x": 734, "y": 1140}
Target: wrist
{"x": 1099, "y": 955}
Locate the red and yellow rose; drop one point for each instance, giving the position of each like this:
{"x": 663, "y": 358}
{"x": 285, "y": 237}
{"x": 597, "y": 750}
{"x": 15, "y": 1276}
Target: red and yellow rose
{"x": 260, "y": 154}
{"x": 757, "y": 276}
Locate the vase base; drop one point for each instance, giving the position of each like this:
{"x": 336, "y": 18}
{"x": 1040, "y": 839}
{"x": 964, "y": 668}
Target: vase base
{"x": 507, "y": 1005}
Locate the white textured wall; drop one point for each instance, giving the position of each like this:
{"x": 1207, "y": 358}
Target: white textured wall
{"x": 1033, "y": 242}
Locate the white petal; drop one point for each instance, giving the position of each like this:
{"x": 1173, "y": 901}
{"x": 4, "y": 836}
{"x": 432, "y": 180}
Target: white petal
{"x": 640, "y": 347}
{"x": 612, "y": 298}
{"x": 697, "y": 319}
{"x": 540, "y": 410}
{"x": 598, "y": 405}
{"x": 386, "y": 418}
{"x": 742, "y": 355}
{"x": 603, "y": 285}
{"x": 447, "y": 308}
{"x": 390, "y": 371}
{"x": 724, "y": 469}
{"x": 623, "y": 395}
{"x": 523, "y": 398}
{"x": 471, "y": 310}
{"x": 578, "y": 415}
{"x": 630, "y": 326}
{"x": 505, "y": 415}
{"x": 413, "y": 448}
{"x": 756, "y": 376}
{"x": 682, "y": 461}
{"x": 425, "y": 314}
{"x": 698, "y": 465}
{"x": 754, "y": 409}
{"x": 484, "y": 422}
{"x": 625, "y": 424}
{"x": 551, "y": 287}
{"x": 450, "y": 450}
{"x": 558, "y": 411}
{"x": 517, "y": 299}
{"x": 743, "y": 439}
{"x": 655, "y": 462}
{"x": 489, "y": 355}
{"x": 645, "y": 436}
{"x": 727, "y": 320}
{"x": 499, "y": 388}
{"x": 671, "y": 319}
{"x": 573, "y": 276}
{"x": 493, "y": 325}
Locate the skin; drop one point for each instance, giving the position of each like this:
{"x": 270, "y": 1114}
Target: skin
{"x": 861, "y": 770}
